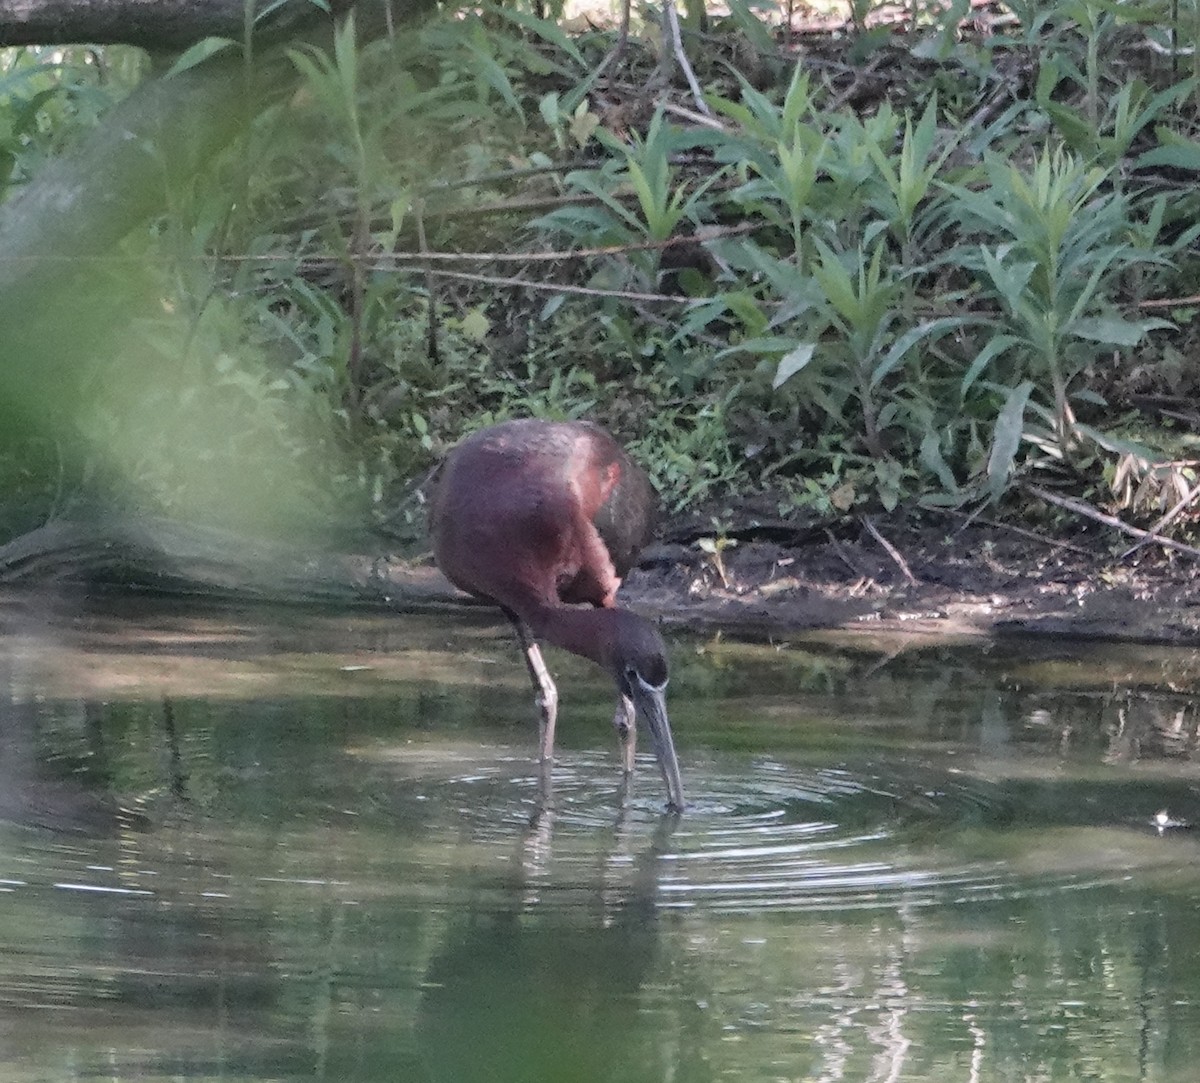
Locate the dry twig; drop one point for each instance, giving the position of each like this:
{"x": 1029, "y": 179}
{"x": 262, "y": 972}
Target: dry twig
{"x": 381, "y": 261}
{"x": 615, "y": 54}
{"x": 1169, "y": 302}
{"x": 845, "y": 557}
{"x": 890, "y": 549}
{"x": 1185, "y": 502}
{"x": 1032, "y": 535}
{"x": 556, "y": 287}
{"x": 1088, "y": 512}
{"x": 672, "y": 30}
{"x": 690, "y": 115}
{"x": 860, "y": 77}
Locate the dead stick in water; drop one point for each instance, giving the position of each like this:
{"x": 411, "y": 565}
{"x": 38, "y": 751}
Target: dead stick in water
{"x": 890, "y": 549}
{"x": 1088, "y": 512}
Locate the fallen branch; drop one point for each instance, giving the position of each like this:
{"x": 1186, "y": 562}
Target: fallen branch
{"x": 389, "y": 261}
{"x": 1088, "y": 512}
{"x": 168, "y": 557}
{"x": 1186, "y": 501}
{"x": 553, "y": 287}
{"x": 1169, "y": 302}
{"x": 672, "y": 30}
{"x": 1032, "y": 535}
{"x": 703, "y": 119}
{"x": 863, "y": 575}
{"x": 162, "y": 27}
{"x": 860, "y": 77}
{"x": 890, "y": 549}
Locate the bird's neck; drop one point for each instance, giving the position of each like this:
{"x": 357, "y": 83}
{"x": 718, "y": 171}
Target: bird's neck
{"x": 583, "y": 631}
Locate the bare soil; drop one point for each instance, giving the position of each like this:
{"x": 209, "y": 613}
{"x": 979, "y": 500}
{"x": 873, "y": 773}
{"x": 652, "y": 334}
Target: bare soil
{"x": 967, "y": 581}
{"x": 940, "y": 577}
{"x": 947, "y": 581}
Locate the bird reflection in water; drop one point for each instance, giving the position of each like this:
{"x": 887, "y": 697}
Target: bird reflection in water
{"x": 553, "y": 981}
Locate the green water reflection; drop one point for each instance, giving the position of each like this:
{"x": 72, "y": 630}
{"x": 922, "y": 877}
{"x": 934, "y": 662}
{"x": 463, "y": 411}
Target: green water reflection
{"x": 282, "y": 845}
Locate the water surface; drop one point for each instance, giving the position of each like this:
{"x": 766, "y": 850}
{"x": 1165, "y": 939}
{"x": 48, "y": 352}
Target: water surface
{"x": 280, "y": 844}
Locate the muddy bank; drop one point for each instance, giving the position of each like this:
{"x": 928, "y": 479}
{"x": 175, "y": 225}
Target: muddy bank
{"x": 939, "y": 579}
{"x": 954, "y": 582}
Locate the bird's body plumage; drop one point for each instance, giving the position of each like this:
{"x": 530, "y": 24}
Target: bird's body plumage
{"x": 561, "y": 502}
{"x": 540, "y": 518}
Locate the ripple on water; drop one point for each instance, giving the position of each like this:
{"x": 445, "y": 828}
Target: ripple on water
{"x": 773, "y": 836}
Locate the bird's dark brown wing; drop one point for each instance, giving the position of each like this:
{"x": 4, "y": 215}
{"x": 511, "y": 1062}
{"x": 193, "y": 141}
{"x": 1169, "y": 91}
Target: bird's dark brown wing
{"x": 628, "y": 518}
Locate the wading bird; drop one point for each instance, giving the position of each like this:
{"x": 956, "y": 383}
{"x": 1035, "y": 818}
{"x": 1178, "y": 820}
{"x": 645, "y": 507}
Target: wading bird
{"x": 542, "y": 518}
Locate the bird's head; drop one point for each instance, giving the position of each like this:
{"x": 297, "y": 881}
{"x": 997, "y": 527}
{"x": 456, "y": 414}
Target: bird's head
{"x": 639, "y": 655}
{"x": 638, "y": 659}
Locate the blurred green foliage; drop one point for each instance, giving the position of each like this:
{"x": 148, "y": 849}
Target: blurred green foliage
{"x": 914, "y": 297}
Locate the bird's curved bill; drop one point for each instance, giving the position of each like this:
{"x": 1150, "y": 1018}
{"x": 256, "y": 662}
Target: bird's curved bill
{"x": 651, "y": 704}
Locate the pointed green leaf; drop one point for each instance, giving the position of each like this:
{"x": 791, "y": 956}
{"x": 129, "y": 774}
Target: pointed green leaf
{"x": 1010, "y": 279}
{"x": 1111, "y": 330}
{"x": 791, "y": 363}
{"x": 994, "y": 348}
{"x": 765, "y": 344}
{"x": 546, "y": 29}
{"x": 1006, "y": 439}
{"x": 928, "y": 329}
{"x": 198, "y": 53}
{"x": 1184, "y": 154}
{"x": 1116, "y": 444}
{"x": 933, "y": 461}
{"x": 836, "y": 284}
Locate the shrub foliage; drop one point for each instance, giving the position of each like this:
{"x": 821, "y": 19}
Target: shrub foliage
{"x": 901, "y": 262}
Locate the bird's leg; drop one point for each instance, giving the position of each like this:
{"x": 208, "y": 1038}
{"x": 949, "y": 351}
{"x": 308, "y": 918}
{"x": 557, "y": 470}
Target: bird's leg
{"x": 543, "y": 684}
{"x": 625, "y": 722}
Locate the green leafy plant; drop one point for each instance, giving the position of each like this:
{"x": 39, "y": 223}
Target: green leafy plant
{"x": 638, "y": 196}
{"x": 895, "y": 291}
{"x": 1058, "y": 248}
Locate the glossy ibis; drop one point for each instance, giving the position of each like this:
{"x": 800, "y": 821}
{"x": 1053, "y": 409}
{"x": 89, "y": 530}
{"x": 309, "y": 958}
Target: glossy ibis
{"x": 543, "y": 518}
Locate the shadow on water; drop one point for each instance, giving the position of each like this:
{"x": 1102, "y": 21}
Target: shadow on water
{"x": 288, "y": 845}
{"x": 549, "y": 983}
{"x": 32, "y": 794}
